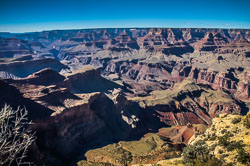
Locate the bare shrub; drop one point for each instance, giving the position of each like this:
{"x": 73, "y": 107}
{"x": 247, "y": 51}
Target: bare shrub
{"x": 14, "y": 138}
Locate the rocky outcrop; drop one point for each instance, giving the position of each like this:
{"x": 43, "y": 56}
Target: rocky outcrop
{"x": 148, "y": 150}
{"x": 56, "y": 91}
{"x": 230, "y": 134}
{"x": 12, "y": 96}
{"x": 244, "y": 90}
{"x": 182, "y": 134}
{"x": 165, "y": 41}
{"x": 226, "y": 142}
{"x": 78, "y": 120}
{"x": 215, "y": 79}
{"x": 89, "y": 81}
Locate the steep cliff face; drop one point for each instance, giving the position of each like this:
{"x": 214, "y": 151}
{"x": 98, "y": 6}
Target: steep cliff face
{"x": 57, "y": 92}
{"x": 12, "y": 96}
{"x": 163, "y": 75}
{"x": 215, "y": 79}
{"x": 189, "y": 103}
{"x": 70, "y": 132}
{"x": 98, "y": 122}
{"x": 89, "y": 80}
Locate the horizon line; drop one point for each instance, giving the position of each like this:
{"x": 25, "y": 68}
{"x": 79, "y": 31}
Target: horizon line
{"x": 93, "y": 28}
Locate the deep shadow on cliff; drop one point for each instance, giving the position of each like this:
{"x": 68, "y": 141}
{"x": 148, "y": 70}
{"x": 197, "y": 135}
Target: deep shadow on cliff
{"x": 12, "y": 96}
{"x": 64, "y": 138}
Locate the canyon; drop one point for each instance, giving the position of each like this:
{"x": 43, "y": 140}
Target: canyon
{"x": 93, "y": 88}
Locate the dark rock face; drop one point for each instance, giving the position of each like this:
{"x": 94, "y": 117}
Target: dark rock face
{"x": 11, "y": 95}
{"x": 89, "y": 81}
{"x": 74, "y": 130}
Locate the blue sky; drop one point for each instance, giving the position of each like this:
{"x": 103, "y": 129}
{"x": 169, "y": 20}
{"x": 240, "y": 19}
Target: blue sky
{"x": 38, "y": 15}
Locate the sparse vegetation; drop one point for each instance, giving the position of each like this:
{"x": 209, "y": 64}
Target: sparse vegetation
{"x": 246, "y": 121}
{"x": 149, "y": 149}
{"x": 198, "y": 155}
{"x": 224, "y": 141}
{"x": 236, "y": 120}
{"x": 157, "y": 165}
{"x": 227, "y": 143}
{"x": 220, "y": 151}
{"x": 234, "y": 145}
{"x": 14, "y": 139}
{"x": 243, "y": 156}
{"x": 223, "y": 131}
{"x": 212, "y": 138}
{"x": 212, "y": 147}
{"x": 235, "y": 112}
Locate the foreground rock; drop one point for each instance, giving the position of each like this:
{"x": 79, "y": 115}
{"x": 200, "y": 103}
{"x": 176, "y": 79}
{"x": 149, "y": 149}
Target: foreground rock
{"x": 148, "y": 149}
{"x": 226, "y": 142}
{"x": 228, "y": 139}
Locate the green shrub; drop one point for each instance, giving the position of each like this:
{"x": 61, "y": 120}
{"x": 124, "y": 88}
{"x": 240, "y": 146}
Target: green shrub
{"x": 236, "y": 120}
{"x": 223, "y": 131}
{"x": 235, "y": 113}
{"x": 212, "y": 138}
{"x": 243, "y": 156}
{"x": 205, "y": 139}
{"x": 246, "y": 121}
{"x": 230, "y": 164}
{"x": 216, "y": 115}
{"x": 234, "y": 145}
{"x": 198, "y": 155}
{"x": 212, "y": 147}
{"x": 220, "y": 151}
{"x": 223, "y": 140}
